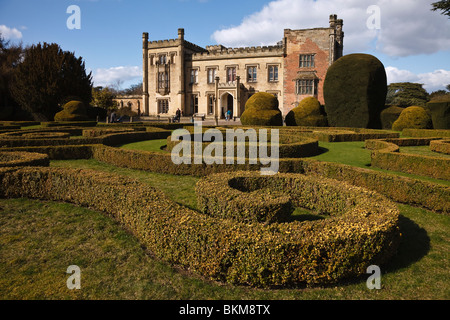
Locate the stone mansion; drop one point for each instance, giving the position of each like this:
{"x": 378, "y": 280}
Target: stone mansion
{"x": 199, "y": 81}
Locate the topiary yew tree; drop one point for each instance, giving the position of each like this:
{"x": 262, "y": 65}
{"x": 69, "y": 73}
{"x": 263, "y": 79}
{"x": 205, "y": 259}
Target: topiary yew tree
{"x": 355, "y": 90}
{"x": 46, "y": 77}
{"x": 262, "y": 110}
{"x": 307, "y": 113}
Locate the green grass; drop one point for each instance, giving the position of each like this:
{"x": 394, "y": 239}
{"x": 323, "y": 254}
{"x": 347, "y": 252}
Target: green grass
{"x": 149, "y": 145}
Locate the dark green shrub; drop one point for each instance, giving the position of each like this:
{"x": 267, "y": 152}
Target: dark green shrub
{"x": 413, "y": 118}
{"x": 389, "y": 116}
{"x": 262, "y": 110}
{"x": 440, "y": 114}
{"x": 355, "y": 91}
{"x": 307, "y": 113}
{"x": 72, "y": 111}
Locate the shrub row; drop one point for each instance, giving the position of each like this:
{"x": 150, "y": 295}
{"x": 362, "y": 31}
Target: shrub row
{"x": 34, "y": 135}
{"x": 303, "y": 147}
{"x": 69, "y": 124}
{"x": 442, "y": 146}
{"x": 387, "y": 157}
{"x": 426, "y": 133}
{"x": 23, "y": 159}
{"x": 315, "y": 253}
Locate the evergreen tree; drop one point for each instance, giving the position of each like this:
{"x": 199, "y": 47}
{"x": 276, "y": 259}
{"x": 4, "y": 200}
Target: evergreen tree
{"x": 443, "y": 5}
{"x": 103, "y": 98}
{"x": 406, "y": 94}
{"x": 47, "y": 77}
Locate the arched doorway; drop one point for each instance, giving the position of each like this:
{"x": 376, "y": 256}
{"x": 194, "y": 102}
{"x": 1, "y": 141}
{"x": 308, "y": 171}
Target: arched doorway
{"x": 227, "y": 103}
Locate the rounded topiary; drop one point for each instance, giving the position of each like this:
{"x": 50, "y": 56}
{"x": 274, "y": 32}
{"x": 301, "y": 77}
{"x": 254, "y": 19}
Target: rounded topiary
{"x": 307, "y": 113}
{"x": 72, "y": 111}
{"x": 262, "y": 110}
{"x": 413, "y": 118}
{"x": 355, "y": 89}
{"x": 389, "y": 115}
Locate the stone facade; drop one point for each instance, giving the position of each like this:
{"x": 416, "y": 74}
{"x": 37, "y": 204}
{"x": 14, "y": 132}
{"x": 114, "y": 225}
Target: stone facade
{"x": 212, "y": 80}
{"x": 133, "y": 102}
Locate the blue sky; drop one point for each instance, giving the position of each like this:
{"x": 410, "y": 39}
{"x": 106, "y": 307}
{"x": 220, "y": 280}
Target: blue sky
{"x": 412, "y": 42}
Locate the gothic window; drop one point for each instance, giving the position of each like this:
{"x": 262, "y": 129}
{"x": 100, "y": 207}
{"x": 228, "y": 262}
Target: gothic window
{"x": 163, "y": 106}
{"x": 231, "y": 74}
{"x": 307, "y": 61}
{"x": 251, "y": 74}
{"x": 163, "y": 80}
{"x": 211, "y": 75}
{"x": 306, "y": 86}
{"x": 162, "y": 59}
{"x": 273, "y": 73}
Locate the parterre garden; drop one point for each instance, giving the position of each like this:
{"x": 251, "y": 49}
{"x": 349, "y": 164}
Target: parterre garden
{"x": 222, "y": 231}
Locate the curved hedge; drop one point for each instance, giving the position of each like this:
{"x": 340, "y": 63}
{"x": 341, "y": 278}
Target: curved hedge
{"x": 307, "y": 113}
{"x": 386, "y": 155}
{"x": 35, "y": 135}
{"x": 441, "y": 146}
{"x": 23, "y": 159}
{"x": 314, "y": 252}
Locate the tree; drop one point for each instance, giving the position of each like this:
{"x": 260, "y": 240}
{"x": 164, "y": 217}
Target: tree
{"x": 443, "y": 5}
{"x": 48, "y": 77}
{"x": 104, "y": 98}
{"x": 448, "y": 87}
{"x": 133, "y": 90}
{"x": 10, "y": 57}
{"x": 406, "y": 94}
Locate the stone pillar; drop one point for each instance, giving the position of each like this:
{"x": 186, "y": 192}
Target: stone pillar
{"x": 216, "y": 101}
{"x": 145, "y": 95}
{"x": 236, "y": 112}
{"x": 181, "y": 71}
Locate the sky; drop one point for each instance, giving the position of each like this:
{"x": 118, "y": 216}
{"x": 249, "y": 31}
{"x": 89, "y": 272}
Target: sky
{"x": 411, "y": 41}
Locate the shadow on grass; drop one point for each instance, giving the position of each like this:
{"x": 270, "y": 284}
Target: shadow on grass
{"x": 414, "y": 245}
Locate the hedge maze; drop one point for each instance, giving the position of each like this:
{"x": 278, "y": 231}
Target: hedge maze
{"x": 244, "y": 231}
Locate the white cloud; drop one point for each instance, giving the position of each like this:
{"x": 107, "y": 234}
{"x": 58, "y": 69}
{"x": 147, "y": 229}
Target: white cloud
{"x": 106, "y": 77}
{"x": 10, "y": 33}
{"x": 408, "y": 27}
{"x": 432, "y": 81}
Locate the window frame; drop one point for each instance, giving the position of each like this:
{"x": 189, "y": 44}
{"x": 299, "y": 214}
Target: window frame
{"x": 307, "y": 60}
{"x": 271, "y": 69}
{"x": 252, "y": 74}
{"x": 163, "y": 105}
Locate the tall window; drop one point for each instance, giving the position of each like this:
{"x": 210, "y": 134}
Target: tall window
{"x": 194, "y": 75}
{"x": 211, "y": 75}
{"x": 231, "y": 74}
{"x": 306, "y": 86}
{"x": 163, "y": 106}
{"x": 210, "y": 104}
{"x": 307, "y": 61}
{"x": 194, "y": 103}
{"x": 251, "y": 74}
{"x": 162, "y": 59}
{"x": 273, "y": 73}
{"x": 163, "y": 80}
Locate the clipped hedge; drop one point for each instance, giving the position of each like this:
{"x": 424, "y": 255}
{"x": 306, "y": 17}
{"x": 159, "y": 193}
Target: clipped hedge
{"x": 440, "y": 114}
{"x": 426, "y": 133}
{"x": 389, "y": 116}
{"x": 261, "y": 109}
{"x": 35, "y": 135}
{"x": 441, "y": 146}
{"x": 314, "y": 252}
{"x": 355, "y": 89}
{"x": 307, "y": 113}
{"x": 23, "y": 159}
{"x": 386, "y": 156}
{"x": 413, "y": 117}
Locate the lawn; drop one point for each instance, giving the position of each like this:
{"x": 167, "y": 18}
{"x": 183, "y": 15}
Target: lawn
{"x": 40, "y": 239}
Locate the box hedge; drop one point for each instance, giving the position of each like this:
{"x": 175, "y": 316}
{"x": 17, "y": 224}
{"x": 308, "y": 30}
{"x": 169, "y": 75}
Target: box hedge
{"x": 23, "y": 159}
{"x": 441, "y": 146}
{"x": 314, "y": 253}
